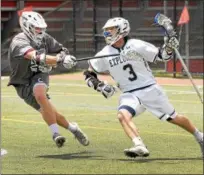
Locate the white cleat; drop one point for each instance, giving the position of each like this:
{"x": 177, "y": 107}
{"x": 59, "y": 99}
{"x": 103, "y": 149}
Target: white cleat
{"x": 59, "y": 140}
{"x": 81, "y": 136}
{"x": 201, "y": 146}
{"x": 137, "y": 151}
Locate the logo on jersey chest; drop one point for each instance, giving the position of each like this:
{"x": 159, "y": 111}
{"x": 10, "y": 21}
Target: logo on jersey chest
{"x": 126, "y": 55}
{"x": 117, "y": 60}
{"x": 132, "y": 55}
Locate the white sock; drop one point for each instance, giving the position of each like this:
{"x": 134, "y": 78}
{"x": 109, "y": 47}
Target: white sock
{"x": 198, "y": 135}
{"x": 137, "y": 141}
{"x": 72, "y": 127}
{"x": 54, "y": 128}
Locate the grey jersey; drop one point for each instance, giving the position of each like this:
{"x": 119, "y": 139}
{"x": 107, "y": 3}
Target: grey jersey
{"x": 22, "y": 70}
{"x": 130, "y": 70}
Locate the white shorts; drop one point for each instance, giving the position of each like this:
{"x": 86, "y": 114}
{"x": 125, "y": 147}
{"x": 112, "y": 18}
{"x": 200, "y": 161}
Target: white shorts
{"x": 152, "y": 99}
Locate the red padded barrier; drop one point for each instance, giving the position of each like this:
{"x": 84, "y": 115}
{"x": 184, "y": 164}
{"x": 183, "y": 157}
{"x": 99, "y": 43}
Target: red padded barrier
{"x": 195, "y": 66}
{"x": 43, "y": 3}
{"x": 159, "y": 3}
{"x": 130, "y": 3}
{"x": 6, "y": 3}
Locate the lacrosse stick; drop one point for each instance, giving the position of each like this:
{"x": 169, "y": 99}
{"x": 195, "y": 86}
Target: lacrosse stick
{"x": 164, "y": 22}
{"x": 96, "y": 57}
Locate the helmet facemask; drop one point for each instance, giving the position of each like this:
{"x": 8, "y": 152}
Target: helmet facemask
{"x": 112, "y": 35}
{"x": 37, "y": 33}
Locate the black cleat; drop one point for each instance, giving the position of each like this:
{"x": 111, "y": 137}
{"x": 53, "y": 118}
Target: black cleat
{"x": 59, "y": 140}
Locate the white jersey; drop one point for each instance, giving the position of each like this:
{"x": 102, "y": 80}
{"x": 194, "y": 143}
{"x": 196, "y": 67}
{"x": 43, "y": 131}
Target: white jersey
{"x": 130, "y": 70}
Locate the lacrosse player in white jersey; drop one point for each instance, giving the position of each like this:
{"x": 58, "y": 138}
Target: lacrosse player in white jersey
{"x": 140, "y": 90}
{"x": 30, "y": 62}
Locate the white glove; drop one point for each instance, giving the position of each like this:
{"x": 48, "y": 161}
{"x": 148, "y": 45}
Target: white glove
{"x": 68, "y": 61}
{"x": 106, "y": 90}
{"x": 171, "y": 44}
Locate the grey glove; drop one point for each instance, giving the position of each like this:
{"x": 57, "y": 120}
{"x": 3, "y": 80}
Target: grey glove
{"x": 68, "y": 61}
{"x": 105, "y": 89}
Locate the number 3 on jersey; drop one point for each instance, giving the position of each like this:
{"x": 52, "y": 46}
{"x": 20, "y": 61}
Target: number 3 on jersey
{"x": 131, "y": 72}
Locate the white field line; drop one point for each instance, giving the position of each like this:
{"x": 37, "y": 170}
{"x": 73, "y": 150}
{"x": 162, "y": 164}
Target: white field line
{"x": 84, "y": 85}
{"x": 110, "y": 113}
{"x": 181, "y": 92}
{"x": 88, "y": 95}
{"x": 99, "y": 128}
{"x": 3, "y": 152}
{"x": 4, "y": 78}
{"x": 172, "y": 91}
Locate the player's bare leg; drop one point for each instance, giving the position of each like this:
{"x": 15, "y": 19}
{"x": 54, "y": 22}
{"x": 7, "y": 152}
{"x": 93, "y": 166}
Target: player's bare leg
{"x": 48, "y": 113}
{"x": 74, "y": 128}
{"x": 139, "y": 149}
{"x": 128, "y": 126}
{"x": 186, "y": 124}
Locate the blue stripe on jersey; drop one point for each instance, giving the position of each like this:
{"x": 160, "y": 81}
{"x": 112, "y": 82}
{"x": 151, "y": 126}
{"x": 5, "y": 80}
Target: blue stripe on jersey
{"x": 129, "y": 109}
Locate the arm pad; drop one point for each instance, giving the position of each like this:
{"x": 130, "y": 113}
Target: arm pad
{"x": 39, "y": 57}
{"x": 91, "y": 79}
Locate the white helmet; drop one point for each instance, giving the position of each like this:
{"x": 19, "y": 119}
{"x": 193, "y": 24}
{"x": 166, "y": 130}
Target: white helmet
{"x": 33, "y": 25}
{"x": 122, "y": 29}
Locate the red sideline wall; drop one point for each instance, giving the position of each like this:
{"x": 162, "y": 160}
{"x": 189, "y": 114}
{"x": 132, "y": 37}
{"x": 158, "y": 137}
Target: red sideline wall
{"x": 196, "y": 65}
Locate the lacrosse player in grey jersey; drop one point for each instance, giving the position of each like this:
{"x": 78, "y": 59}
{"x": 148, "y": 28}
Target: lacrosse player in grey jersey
{"x": 140, "y": 90}
{"x": 31, "y": 63}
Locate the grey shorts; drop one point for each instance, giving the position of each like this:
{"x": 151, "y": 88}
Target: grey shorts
{"x": 152, "y": 99}
{"x": 26, "y": 91}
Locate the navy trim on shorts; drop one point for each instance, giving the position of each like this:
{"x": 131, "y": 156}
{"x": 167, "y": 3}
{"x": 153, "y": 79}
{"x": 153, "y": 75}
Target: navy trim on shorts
{"x": 168, "y": 119}
{"x": 162, "y": 116}
{"x": 139, "y": 88}
{"x": 128, "y": 108}
{"x": 172, "y": 113}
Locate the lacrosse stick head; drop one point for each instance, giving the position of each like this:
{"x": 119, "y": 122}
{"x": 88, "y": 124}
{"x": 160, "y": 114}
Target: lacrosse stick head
{"x": 166, "y": 23}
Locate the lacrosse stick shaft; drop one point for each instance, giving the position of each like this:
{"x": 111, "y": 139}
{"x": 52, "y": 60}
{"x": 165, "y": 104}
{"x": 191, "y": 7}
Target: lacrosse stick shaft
{"x": 188, "y": 74}
{"x": 180, "y": 33}
{"x": 102, "y": 56}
